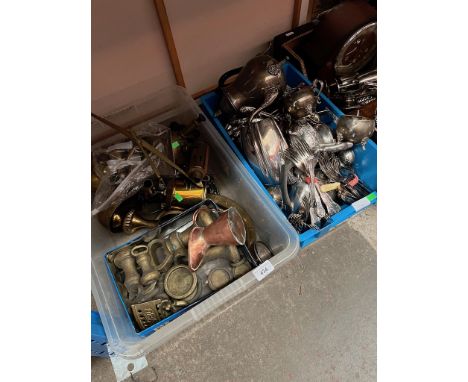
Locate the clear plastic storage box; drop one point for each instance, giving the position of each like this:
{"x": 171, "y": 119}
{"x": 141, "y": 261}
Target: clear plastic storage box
{"x": 233, "y": 181}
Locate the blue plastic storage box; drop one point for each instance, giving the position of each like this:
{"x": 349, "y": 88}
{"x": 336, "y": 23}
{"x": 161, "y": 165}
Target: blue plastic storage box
{"x": 98, "y": 337}
{"x": 365, "y": 162}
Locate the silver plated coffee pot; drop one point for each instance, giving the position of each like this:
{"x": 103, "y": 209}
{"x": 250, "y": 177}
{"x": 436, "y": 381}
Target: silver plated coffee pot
{"x": 262, "y": 75}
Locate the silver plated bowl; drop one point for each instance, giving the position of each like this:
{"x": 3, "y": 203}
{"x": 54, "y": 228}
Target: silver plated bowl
{"x": 355, "y": 129}
{"x": 264, "y": 144}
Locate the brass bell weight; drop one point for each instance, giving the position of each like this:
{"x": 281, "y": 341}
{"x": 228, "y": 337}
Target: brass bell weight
{"x": 148, "y": 268}
{"x": 125, "y": 261}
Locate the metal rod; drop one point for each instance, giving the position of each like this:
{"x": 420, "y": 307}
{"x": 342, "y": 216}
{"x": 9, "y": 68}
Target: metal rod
{"x": 146, "y": 145}
{"x": 147, "y": 156}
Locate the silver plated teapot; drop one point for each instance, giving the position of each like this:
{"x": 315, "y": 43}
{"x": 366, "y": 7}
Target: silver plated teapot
{"x": 303, "y": 101}
{"x": 261, "y": 75}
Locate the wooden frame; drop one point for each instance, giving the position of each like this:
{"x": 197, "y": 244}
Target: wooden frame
{"x": 169, "y": 39}
{"x": 296, "y": 13}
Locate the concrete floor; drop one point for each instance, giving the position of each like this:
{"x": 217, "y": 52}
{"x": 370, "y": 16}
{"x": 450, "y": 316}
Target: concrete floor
{"x": 315, "y": 319}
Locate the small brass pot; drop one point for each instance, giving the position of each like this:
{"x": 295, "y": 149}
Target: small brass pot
{"x": 219, "y": 278}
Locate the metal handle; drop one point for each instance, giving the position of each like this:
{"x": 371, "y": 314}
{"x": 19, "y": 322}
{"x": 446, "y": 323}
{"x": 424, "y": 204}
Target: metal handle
{"x": 318, "y": 84}
{"x": 227, "y": 75}
{"x": 270, "y": 97}
{"x": 334, "y": 147}
{"x": 288, "y": 165}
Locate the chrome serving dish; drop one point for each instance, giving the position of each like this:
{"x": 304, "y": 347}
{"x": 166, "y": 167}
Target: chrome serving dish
{"x": 355, "y": 129}
{"x": 264, "y": 144}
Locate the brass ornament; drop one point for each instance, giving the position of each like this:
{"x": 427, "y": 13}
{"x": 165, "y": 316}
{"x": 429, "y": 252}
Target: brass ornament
{"x": 241, "y": 268}
{"x": 125, "y": 261}
{"x": 219, "y": 278}
{"x": 203, "y": 217}
{"x": 199, "y": 159}
{"x": 148, "y": 268}
{"x": 146, "y": 314}
{"x": 111, "y": 219}
{"x": 185, "y": 195}
{"x": 132, "y": 222}
{"x": 180, "y": 283}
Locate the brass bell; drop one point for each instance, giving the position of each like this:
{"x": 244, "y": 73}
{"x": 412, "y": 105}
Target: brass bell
{"x": 132, "y": 222}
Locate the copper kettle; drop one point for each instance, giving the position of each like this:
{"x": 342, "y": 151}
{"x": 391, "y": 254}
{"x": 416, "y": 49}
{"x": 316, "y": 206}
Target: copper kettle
{"x": 261, "y": 76}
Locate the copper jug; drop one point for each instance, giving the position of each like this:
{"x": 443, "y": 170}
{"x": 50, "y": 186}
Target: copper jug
{"x": 228, "y": 229}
